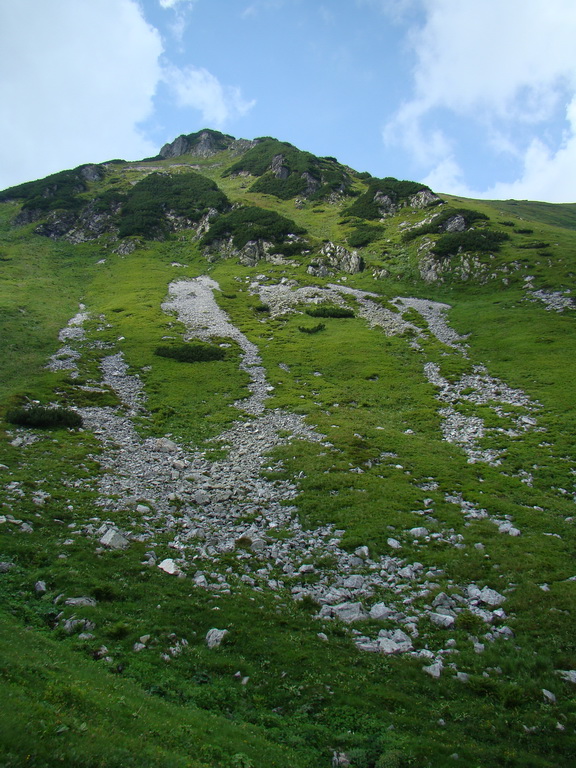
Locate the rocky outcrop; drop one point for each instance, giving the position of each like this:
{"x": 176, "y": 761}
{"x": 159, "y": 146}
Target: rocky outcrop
{"x": 278, "y": 168}
{"x": 335, "y": 258}
{"x": 425, "y": 198}
{"x": 205, "y": 143}
{"x": 248, "y": 255}
{"x": 89, "y": 224}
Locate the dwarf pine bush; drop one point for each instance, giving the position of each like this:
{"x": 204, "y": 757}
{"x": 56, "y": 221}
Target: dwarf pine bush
{"x": 44, "y": 417}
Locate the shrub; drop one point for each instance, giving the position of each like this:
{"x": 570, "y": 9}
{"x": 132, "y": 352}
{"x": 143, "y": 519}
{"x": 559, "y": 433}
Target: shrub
{"x": 364, "y": 234}
{"x": 366, "y": 207}
{"x": 261, "y": 308}
{"x": 188, "y": 195}
{"x": 439, "y": 222}
{"x": 57, "y": 191}
{"x": 44, "y": 417}
{"x": 312, "y": 329}
{"x": 300, "y": 168}
{"x": 252, "y": 223}
{"x": 329, "y": 311}
{"x": 191, "y": 353}
{"x": 479, "y": 241}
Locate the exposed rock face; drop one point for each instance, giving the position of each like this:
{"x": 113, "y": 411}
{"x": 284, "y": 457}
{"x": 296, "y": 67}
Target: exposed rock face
{"x": 423, "y": 199}
{"x": 455, "y": 223}
{"x": 250, "y": 253}
{"x": 92, "y": 172}
{"x": 58, "y": 224}
{"x": 336, "y": 258}
{"x": 204, "y": 144}
{"x": 312, "y": 184}
{"x": 76, "y": 228}
{"x": 278, "y": 168}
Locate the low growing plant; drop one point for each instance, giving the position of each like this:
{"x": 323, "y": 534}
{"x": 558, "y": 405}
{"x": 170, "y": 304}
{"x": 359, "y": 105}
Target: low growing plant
{"x": 44, "y": 417}
{"x": 329, "y": 311}
{"x": 191, "y": 353}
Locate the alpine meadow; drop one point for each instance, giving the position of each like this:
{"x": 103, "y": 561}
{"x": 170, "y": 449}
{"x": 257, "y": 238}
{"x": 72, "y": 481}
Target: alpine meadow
{"x": 288, "y": 468}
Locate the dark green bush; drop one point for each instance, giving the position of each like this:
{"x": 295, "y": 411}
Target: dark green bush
{"x": 439, "y": 223}
{"x": 196, "y": 352}
{"x": 312, "y": 328}
{"x": 252, "y": 223}
{"x": 300, "y": 167}
{"x": 524, "y": 231}
{"x": 365, "y": 206}
{"x": 44, "y": 417}
{"x": 262, "y": 308}
{"x": 477, "y": 241}
{"x": 329, "y": 311}
{"x": 189, "y": 195}
{"x": 364, "y": 234}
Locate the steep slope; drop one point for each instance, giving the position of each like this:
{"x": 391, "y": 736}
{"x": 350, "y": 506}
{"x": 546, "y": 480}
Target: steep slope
{"x": 321, "y": 508}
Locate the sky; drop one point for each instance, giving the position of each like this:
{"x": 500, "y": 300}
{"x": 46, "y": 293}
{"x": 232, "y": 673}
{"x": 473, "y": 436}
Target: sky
{"x": 473, "y": 97}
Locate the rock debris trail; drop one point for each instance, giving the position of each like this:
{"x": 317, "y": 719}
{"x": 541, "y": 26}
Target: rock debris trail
{"x": 211, "y": 508}
{"x": 194, "y": 303}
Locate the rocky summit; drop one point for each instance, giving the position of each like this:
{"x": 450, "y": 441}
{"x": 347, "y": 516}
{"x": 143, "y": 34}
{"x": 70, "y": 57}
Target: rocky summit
{"x": 288, "y": 471}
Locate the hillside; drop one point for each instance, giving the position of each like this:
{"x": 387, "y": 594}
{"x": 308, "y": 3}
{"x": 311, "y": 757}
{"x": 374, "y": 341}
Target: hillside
{"x": 288, "y": 468}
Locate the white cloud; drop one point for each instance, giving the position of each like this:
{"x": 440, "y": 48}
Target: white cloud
{"x": 77, "y": 79}
{"x": 173, "y": 3}
{"x": 507, "y": 69}
{"x": 199, "y": 89}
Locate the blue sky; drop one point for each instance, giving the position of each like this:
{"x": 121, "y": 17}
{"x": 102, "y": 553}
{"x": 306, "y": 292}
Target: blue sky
{"x": 473, "y": 98}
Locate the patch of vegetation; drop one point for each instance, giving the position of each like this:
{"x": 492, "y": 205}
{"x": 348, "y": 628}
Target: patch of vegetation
{"x": 311, "y": 328}
{"x": 59, "y": 191}
{"x": 187, "y": 195}
{"x": 109, "y": 201}
{"x": 439, "y": 222}
{"x": 325, "y": 310}
{"x": 363, "y": 235}
{"x": 534, "y": 246}
{"x": 475, "y": 241}
{"x": 191, "y": 353}
{"x": 295, "y": 172}
{"x": 555, "y": 214}
{"x": 44, "y": 417}
{"x": 369, "y": 204}
{"x": 252, "y": 223}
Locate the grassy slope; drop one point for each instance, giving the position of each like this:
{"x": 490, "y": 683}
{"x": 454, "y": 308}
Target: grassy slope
{"x": 381, "y": 391}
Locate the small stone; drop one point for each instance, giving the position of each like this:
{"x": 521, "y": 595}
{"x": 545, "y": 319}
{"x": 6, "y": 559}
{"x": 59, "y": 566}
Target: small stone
{"x": 40, "y": 587}
{"x": 114, "y": 540}
{"x": 137, "y": 647}
{"x": 549, "y": 695}
{"x": 322, "y": 636}
{"x": 567, "y": 674}
{"x": 434, "y": 670}
{"x": 215, "y": 636}
{"x": 348, "y": 612}
{"x": 380, "y": 611}
{"x": 394, "y": 543}
{"x": 169, "y": 566}
{"x": 442, "y": 620}
{"x": 419, "y": 532}
{"x": 80, "y": 602}
{"x": 394, "y": 641}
